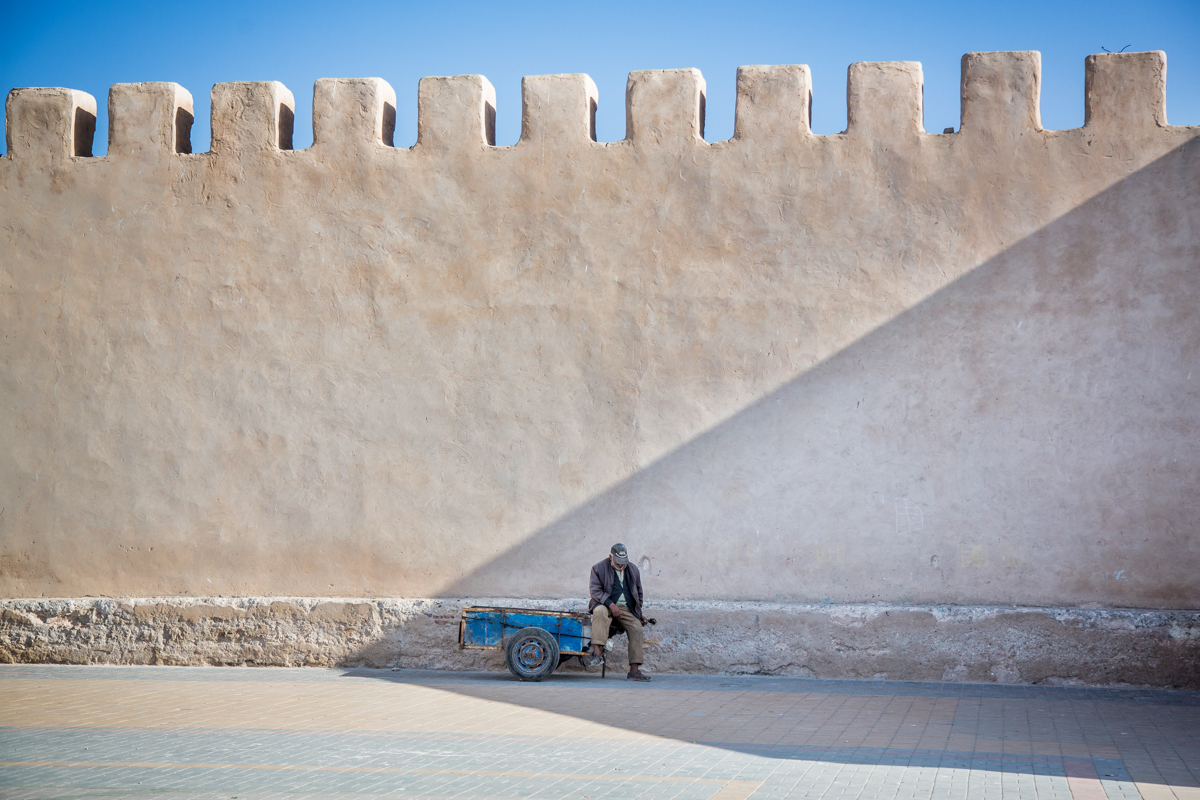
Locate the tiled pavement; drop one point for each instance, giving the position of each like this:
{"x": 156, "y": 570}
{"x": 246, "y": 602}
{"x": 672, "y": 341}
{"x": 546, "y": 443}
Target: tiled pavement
{"x": 171, "y": 732}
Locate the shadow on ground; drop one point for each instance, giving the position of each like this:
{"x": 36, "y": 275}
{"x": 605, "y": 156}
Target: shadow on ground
{"x": 1028, "y": 730}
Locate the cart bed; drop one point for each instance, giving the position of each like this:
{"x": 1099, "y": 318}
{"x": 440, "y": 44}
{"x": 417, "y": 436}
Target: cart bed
{"x": 483, "y": 628}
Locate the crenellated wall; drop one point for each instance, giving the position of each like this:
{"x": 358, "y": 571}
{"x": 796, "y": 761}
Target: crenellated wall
{"x": 884, "y": 366}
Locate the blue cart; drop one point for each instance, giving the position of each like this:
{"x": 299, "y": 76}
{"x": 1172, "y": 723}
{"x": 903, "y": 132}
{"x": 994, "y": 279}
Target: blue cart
{"x": 534, "y": 642}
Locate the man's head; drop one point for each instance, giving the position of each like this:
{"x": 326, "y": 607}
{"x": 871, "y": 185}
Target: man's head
{"x": 619, "y": 556}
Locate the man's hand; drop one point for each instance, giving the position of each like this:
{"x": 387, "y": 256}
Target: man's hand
{"x": 615, "y": 609}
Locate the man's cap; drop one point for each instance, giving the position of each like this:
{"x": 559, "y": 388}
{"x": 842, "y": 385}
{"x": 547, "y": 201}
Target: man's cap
{"x": 620, "y": 554}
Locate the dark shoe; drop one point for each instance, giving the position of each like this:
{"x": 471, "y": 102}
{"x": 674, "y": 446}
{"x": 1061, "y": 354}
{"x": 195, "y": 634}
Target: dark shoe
{"x": 637, "y": 676}
{"x": 592, "y": 661}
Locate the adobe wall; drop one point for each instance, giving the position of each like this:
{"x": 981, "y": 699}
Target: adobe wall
{"x": 885, "y": 366}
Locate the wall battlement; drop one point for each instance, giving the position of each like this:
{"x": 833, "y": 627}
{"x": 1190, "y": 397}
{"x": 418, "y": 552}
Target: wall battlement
{"x": 1125, "y": 99}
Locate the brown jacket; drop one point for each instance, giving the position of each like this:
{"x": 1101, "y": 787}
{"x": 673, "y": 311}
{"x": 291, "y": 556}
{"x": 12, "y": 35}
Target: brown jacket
{"x": 603, "y": 578}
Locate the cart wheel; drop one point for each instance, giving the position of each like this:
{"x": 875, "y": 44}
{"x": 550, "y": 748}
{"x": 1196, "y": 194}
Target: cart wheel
{"x": 532, "y": 654}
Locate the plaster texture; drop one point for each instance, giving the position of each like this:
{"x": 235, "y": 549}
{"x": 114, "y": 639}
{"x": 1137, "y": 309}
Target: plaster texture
{"x": 947, "y": 643}
{"x": 882, "y": 366}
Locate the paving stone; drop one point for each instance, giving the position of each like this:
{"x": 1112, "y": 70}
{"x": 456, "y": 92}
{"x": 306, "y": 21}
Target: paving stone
{"x": 89, "y": 732}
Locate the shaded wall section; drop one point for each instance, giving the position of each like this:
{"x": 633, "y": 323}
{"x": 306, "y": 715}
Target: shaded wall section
{"x": 1026, "y": 435}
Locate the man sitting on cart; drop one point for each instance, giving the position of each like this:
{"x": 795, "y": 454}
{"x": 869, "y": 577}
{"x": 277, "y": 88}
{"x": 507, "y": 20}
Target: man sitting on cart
{"x": 616, "y": 598}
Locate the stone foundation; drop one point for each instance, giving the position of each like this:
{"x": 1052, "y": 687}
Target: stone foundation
{"x": 942, "y": 643}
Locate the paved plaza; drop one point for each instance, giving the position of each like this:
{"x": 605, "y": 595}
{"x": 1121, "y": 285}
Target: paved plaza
{"x": 180, "y": 732}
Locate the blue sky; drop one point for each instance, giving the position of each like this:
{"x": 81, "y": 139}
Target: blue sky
{"x": 91, "y": 45}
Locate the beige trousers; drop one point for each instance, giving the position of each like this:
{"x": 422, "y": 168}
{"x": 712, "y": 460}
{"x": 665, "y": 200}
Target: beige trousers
{"x": 627, "y": 622}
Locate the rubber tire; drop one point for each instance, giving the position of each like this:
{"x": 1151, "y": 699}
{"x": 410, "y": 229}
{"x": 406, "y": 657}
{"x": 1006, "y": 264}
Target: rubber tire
{"x": 532, "y": 654}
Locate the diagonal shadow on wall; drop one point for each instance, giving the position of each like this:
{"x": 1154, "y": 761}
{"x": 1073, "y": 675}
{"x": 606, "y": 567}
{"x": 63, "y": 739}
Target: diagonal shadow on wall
{"x": 1054, "y": 389}
{"x": 1035, "y": 423}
